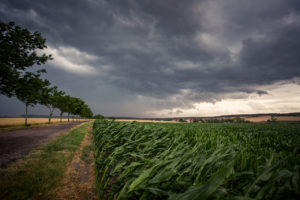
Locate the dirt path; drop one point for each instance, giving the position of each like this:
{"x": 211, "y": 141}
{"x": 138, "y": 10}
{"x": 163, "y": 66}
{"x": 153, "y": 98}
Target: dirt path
{"x": 79, "y": 180}
{"x": 16, "y": 144}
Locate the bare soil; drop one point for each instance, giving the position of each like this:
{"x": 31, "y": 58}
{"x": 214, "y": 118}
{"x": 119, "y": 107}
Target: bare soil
{"x": 16, "y": 144}
{"x": 79, "y": 179}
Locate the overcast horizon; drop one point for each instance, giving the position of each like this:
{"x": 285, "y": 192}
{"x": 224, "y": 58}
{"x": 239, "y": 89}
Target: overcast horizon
{"x": 168, "y": 58}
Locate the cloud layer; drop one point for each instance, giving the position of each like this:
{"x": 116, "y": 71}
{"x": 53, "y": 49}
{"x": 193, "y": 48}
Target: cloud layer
{"x": 171, "y": 53}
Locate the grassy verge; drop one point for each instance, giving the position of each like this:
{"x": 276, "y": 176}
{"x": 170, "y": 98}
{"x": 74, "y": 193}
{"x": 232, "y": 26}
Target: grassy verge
{"x": 86, "y": 152}
{"x": 38, "y": 174}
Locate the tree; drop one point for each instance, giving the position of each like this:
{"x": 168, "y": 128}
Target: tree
{"x": 17, "y": 53}
{"x": 86, "y": 112}
{"x": 28, "y": 90}
{"x": 182, "y": 120}
{"x": 77, "y": 106}
{"x": 98, "y": 116}
{"x": 50, "y": 98}
{"x": 62, "y": 105}
{"x": 74, "y": 106}
{"x": 65, "y": 105}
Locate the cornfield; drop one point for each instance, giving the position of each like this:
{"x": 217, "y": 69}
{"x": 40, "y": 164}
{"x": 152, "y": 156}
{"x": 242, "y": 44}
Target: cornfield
{"x": 197, "y": 161}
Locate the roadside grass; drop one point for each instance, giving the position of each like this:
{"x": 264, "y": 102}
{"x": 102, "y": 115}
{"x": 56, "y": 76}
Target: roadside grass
{"x": 37, "y": 175}
{"x": 86, "y": 152}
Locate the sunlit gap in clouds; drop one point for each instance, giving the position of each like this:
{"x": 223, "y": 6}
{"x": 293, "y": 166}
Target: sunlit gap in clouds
{"x": 281, "y": 98}
{"x": 72, "y": 60}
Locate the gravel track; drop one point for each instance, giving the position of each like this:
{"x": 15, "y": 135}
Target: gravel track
{"x": 17, "y": 144}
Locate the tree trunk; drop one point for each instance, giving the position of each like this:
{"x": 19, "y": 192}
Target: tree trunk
{"x": 26, "y": 112}
{"x": 51, "y": 113}
{"x": 61, "y": 113}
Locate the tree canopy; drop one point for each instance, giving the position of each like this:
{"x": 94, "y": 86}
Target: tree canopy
{"x": 18, "y": 51}
{"x": 98, "y": 116}
{"x": 29, "y": 89}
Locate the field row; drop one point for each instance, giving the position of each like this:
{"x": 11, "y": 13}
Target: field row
{"x": 197, "y": 161}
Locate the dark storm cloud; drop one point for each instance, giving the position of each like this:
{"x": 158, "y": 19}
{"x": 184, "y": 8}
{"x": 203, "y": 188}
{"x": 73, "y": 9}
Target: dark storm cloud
{"x": 181, "y": 51}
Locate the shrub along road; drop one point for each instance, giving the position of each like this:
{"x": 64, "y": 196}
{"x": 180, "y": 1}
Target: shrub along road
{"x": 16, "y": 144}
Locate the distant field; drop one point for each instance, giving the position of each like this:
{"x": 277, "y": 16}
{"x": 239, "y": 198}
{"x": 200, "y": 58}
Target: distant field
{"x": 138, "y": 120}
{"x": 268, "y": 117}
{"x": 259, "y": 119}
{"x": 20, "y": 121}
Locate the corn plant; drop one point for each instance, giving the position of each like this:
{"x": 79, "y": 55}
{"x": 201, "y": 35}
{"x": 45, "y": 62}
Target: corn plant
{"x": 196, "y": 161}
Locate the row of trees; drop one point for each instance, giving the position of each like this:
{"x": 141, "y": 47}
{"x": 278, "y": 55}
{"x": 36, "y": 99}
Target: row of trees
{"x": 216, "y": 120}
{"x": 222, "y": 120}
{"x": 17, "y": 54}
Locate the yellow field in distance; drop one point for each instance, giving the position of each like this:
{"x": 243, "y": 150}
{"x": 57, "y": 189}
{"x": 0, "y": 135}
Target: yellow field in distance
{"x": 20, "y": 121}
{"x": 268, "y": 117}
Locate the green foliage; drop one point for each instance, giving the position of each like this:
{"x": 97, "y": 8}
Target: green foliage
{"x": 78, "y": 107}
{"x": 29, "y": 88}
{"x": 182, "y": 120}
{"x": 18, "y": 52}
{"x": 197, "y": 161}
{"x": 51, "y": 98}
{"x": 98, "y": 116}
{"x": 225, "y": 120}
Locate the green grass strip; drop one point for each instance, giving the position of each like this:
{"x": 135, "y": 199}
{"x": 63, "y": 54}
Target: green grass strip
{"x": 38, "y": 174}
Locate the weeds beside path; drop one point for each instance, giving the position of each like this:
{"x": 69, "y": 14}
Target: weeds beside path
{"x": 79, "y": 180}
{"x": 37, "y": 175}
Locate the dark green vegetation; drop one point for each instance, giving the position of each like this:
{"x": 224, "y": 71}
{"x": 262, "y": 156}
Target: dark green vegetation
{"x": 197, "y": 161}
{"x": 19, "y": 52}
{"x": 98, "y": 116}
{"x": 37, "y": 175}
{"x": 86, "y": 152}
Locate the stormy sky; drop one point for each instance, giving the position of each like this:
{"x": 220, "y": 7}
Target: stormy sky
{"x": 154, "y": 58}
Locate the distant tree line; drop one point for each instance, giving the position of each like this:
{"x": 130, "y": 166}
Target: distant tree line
{"x": 17, "y": 55}
{"x": 223, "y": 120}
{"x": 98, "y": 116}
{"x": 216, "y": 120}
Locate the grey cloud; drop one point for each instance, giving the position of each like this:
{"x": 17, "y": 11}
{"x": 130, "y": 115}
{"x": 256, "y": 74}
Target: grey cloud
{"x": 173, "y": 53}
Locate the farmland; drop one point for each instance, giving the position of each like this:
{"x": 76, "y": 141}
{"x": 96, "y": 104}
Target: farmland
{"x": 20, "y": 121}
{"x": 197, "y": 161}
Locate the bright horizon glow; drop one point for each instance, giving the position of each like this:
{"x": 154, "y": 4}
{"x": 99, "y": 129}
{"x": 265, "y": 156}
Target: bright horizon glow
{"x": 282, "y": 98}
